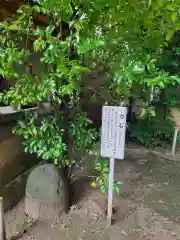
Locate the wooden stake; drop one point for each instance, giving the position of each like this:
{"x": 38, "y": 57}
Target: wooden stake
{"x": 2, "y": 224}
{"x": 110, "y": 192}
{"x": 174, "y": 141}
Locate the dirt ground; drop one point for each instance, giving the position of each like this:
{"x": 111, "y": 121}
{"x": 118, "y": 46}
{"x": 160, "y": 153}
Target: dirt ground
{"x": 147, "y": 208}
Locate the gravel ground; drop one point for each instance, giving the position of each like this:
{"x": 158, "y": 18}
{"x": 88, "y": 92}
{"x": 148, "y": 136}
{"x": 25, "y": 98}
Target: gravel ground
{"x": 148, "y": 207}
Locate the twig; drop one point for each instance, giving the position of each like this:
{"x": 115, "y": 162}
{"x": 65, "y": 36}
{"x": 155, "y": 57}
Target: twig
{"x": 70, "y": 177}
{"x": 113, "y": 100}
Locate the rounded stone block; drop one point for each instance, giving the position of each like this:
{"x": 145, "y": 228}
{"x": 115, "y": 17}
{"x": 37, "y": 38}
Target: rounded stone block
{"x": 44, "y": 193}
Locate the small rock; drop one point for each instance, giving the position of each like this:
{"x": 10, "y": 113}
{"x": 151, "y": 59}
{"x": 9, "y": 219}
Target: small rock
{"x": 63, "y": 226}
{"x": 15, "y": 234}
{"x": 29, "y": 223}
{"x": 124, "y": 233}
{"x": 137, "y": 230}
{"x": 74, "y": 208}
{"x": 142, "y": 161}
{"x": 95, "y": 216}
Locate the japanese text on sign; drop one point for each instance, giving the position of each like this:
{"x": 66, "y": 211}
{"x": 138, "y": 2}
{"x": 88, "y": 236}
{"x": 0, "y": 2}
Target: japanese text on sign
{"x": 113, "y": 132}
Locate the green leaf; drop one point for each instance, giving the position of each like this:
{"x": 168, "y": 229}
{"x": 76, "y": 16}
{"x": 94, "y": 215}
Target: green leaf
{"x": 105, "y": 170}
{"x": 67, "y": 89}
{"x": 143, "y": 112}
{"x": 26, "y": 149}
{"x": 174, "y": 16}
{"x": 103, "y": 189}
{"x": 170, "y": 34}
{"x": 161, "y": 84}
{"x": 116, "y": 188}
{"x": 149, "y": 3}
{"x": 39, "y": 45}
{"x": 39, "y": 153}
{"x": 152, "y": 112}
{"x": 22, "y": 124}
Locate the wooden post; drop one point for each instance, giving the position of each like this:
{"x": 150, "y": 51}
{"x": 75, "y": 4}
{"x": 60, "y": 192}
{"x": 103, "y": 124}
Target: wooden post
{"x": 174, "y": 141}
{"x": 112, "y": 144}
{"x": 2, "y": 224}
{"x": 110, "y": 192}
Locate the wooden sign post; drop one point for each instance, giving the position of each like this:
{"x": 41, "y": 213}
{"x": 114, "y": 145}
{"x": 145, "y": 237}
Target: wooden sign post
{"x": 176, "y": 117}
{"x": 112, "y": 143}
{"x": 2, "y": 226}
{"x": 174, "y": 141}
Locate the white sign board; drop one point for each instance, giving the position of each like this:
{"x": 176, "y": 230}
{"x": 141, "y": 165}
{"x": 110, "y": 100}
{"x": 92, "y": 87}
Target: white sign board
{"x": 113, "y": 132}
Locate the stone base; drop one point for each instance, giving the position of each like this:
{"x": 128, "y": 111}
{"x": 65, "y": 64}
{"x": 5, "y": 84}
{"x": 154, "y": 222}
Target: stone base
{"x": 41, "y": 211}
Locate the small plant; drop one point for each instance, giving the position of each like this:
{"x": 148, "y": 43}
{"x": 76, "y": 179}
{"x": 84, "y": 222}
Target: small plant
{"x": 101, "y": 181}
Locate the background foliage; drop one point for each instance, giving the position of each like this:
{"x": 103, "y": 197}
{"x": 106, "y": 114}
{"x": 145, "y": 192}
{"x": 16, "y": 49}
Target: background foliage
{"x": 124, "y": 39}
{"x": 159, "y": 130}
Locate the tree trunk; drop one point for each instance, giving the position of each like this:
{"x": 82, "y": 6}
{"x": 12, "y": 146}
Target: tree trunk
{"x": 65, "y": 169}
{"x": 64, "y": 188}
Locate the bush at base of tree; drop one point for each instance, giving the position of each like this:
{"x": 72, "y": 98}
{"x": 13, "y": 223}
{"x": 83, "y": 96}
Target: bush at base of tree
{"x": 152, "y": 132}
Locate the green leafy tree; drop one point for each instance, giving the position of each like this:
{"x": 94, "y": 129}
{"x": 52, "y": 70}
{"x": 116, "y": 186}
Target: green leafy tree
{"x": 122, "y": 38}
